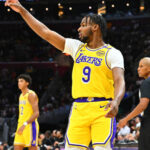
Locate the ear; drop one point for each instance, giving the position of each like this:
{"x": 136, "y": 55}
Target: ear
{"x": 95, "y": 27}
{"x": 28, "y": 84}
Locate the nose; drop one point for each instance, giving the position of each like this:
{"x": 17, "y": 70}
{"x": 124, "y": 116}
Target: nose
{"x": 79, "y": 29}
{"x": 138, "y": 69}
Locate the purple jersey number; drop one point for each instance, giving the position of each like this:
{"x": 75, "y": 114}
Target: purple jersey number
{"x": 86, "y": 73}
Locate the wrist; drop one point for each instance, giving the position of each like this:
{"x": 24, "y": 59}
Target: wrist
{"x": 126, "y": 119}
{"x": 25, "y": 123}
{"x": 116, "y": 102}
{"x": 22, "y": 10}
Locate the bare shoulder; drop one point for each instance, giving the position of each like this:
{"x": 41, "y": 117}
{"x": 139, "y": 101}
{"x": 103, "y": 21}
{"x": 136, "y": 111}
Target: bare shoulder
{"x": 32, "y": 96}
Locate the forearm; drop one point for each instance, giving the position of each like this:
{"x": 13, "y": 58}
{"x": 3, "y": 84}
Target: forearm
{"x": 119, "y": 90}
{"x": 33, "y": 117}
{"x": 38, "y": 27}
{"x": 138, "y": 109}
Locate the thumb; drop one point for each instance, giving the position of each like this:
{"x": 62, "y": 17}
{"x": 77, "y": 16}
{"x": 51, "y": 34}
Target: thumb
{"x": 107, "y": 106}
{"x": 8, "y": 4}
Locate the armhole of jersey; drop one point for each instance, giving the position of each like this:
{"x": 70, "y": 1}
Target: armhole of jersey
{"x": 106, "y": 59}
{"x": 78, "y": 50}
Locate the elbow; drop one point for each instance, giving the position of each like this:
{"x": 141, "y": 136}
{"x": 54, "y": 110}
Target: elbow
{"x": 37, "y": 114}
{"x": 143, "y": 107}
{"x": 46, "y": 35}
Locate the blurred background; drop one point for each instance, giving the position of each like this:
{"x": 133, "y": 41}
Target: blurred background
{"x": 22, "y": 51}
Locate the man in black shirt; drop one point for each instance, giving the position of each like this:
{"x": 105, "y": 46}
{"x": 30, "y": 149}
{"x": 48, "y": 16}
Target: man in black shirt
{"x": 144, "y": 94}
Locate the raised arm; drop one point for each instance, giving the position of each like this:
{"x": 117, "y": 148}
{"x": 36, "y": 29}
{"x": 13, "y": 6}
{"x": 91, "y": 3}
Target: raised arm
{"x": 38, "y": 27}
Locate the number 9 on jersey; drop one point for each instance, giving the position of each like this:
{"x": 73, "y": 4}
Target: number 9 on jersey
{"x": 86, "y": 74}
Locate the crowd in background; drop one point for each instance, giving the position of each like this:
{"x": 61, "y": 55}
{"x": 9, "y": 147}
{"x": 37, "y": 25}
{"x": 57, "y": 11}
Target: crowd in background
{"x": 129, "y": 134}
{"x": 51, "y": 140}
{"x": 131, "y": 37}
{"x": 52, "y": 81}
{"x": 50, "y": 11}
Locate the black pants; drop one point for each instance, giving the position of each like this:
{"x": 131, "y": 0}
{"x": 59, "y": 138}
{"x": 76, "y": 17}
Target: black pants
{"x": 144, "y": 139}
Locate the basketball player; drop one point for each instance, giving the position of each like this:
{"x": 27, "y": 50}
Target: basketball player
{"x": 28, "y": 128}
{"x": 144, "y": 94}
{"x": 97, "y": 80}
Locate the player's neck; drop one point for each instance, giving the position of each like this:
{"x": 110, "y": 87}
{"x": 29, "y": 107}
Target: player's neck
{"x": 24, "y": 91}
{"x": 95, "y": 43}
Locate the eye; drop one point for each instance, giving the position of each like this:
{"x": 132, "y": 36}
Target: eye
{"x": 83, "y": 25}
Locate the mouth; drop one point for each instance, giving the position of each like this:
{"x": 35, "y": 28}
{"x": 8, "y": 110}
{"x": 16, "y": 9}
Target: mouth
{"x": 80, "y": 35}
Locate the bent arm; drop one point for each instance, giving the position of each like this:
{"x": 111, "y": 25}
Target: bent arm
{"x": 33, "y": 99}
{"x": 138, "y": 109}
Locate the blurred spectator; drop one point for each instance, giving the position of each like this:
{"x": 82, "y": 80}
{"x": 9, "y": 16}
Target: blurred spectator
{"x": 130, "y": 133}
{"x": 51, "y": 141}
{"x": 3, "y": 146}
{"x": 46, "y": 140}
{"x": 59, "y": 139}
{"x": 53, "y": 136}
{"x": 41, "y": 138}
{"x": 46, "y": 143}
{"x": 123, "y": 132}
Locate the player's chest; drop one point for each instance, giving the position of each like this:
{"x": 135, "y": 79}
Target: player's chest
{"x": 23, "y": 100}
{"x": 92, "y": 58}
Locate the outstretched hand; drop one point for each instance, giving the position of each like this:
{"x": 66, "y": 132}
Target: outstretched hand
{"x": 113, "y": 106}
{"x": 14, "y": 5}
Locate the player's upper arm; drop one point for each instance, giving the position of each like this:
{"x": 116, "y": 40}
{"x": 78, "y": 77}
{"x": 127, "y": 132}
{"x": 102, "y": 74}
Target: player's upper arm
{"x": 115, "y": 59}
{"x": 33, "y": 99}
{"x": 118, "y": 74}
{"x": 115, "y": 62}
{"x": 72, "y": 46}
{"x": 55, "y": 39}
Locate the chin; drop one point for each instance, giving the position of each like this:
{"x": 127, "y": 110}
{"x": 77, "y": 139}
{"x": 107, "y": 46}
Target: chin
{"x": 141, "y": 76}
{"x": 85, "y": 40}
{"x": 19, "y": 88}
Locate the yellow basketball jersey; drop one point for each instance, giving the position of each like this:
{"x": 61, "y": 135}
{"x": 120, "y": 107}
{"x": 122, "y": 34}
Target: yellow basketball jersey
{"x": 91, "y": 75}
{"x": 25, "y": 108}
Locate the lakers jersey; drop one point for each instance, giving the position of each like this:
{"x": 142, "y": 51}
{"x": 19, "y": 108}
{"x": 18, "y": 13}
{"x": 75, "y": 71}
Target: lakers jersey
{"x": 25, "y": 108}
{"x": 91, "y": 75}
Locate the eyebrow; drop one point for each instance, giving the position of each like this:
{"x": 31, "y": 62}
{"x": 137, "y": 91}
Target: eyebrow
{"x": 82, "y": 23}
